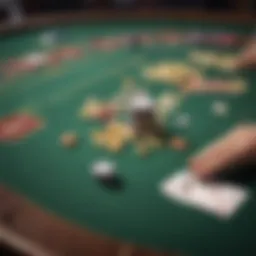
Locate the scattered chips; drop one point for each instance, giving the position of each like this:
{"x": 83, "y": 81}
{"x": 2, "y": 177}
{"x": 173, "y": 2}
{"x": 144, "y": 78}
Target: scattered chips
{"x": 90, "y": 109}
{"x": 166, "y": 104}
{"x": 123, "y": 97}
{"x": 178, "y": 143}
{"x": 227, "y": 63}
{"x": 96, "y": 110}
{"x": 220, "y": 108}
{"x": 69, "y": 139}
{"x": 147, "y": 144}
{"x": 177, "y": 73}
{"x": 48, "y": 39}
{"x": 35, "y": 59}
{"x": 103, "y": 169}
{"x": 223, "y": 86}
{"x": 114, "y": 136}
{"x": 204, "y": 58}
{"x": 183, "y": 120}
{"x": 217, "y": 60}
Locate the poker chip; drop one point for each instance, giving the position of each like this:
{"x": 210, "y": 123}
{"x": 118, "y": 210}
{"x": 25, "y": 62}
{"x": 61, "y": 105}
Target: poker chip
{"x": 166, "y": 104}
{"x": 178, "y": 143}
{"x": 35, "y": 59}
{"x": 141, "y": 102}
{"x": 183, "y": 120}
{"x": 103, "y": 169}
{"x": 69, "y": 139}
{"x": 204, "y": 58}
{"x": 48, "y": 39}
{"x": 194, "y": 37}
{"x": 113, "y": 137}
{"x": 220, "y": 108}
{"x": 171, "y": 72}
{"x": 106, "y": 114}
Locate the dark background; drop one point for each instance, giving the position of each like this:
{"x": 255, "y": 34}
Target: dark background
{"x": 49, "y": 5}
{"x": 32, "y": 6}
{"x": 46, "y": 6}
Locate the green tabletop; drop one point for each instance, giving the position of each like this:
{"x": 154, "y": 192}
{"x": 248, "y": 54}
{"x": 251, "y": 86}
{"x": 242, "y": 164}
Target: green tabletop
{"x": 60, "y": 180}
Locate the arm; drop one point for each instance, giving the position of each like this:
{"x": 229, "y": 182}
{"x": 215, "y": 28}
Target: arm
{"x": 247, "y": 58}
{"x": 237, "y": 147}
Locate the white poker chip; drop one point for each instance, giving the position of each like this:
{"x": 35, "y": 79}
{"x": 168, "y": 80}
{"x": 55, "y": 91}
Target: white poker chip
{"x": 141, "y": 102}
{"x": 48, "y": 39}
{"x": 103, "y": 169}
{"x": 220, "y": 108}
{"x": 36, "y": 59}
{"x": 183, "y": 120}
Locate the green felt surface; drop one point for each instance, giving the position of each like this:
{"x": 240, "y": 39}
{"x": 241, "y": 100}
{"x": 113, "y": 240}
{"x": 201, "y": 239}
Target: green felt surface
{"x": 59, "y": 179}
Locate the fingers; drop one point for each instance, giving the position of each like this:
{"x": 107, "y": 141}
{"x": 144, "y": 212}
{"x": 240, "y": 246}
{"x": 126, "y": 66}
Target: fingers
{"x": 247, "y": 57}
{"x": 237, "y": 147}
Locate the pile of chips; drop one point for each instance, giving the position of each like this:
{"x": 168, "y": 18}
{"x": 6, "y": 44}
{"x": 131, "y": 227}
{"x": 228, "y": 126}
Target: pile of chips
{"x": 114, "y": 136}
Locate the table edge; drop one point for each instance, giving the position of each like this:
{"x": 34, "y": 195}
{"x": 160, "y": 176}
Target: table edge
{"x": 29, "y": 226}
{"x": 40, "y": 20}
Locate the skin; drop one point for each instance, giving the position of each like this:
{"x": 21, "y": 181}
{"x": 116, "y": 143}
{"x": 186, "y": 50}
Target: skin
{"x": 237, "y": 147}
{"x": 247, "y": 58}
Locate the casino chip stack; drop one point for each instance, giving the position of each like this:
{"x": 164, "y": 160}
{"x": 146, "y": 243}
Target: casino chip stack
{"x": 104, "y": 170}
{"x": 141, "y": 102}
{"x": 145, "y": 122}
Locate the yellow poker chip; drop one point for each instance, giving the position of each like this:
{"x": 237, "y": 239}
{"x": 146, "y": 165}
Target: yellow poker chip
{"x": 99, "y": 138}
{"x": 69, "y": 139}
{"x": 114, "y": 136}
{"x": 204, "y": 58}
{"x": 115, "y": 144}
{"x": 90, "y": 109}
{"x": 142, "y": 148}
{"x": 168, "y": 72}
{"x": 128, "y": 133}
{"x": 239, "y": 86}
{"x": 154, "y": 142}
{"x": 148, "y": 144}
{"x": 227, "y": 62}
{"x": 214, "y": 59}
{"x": 166, "y": 104}
{"x": 178, "y": 143}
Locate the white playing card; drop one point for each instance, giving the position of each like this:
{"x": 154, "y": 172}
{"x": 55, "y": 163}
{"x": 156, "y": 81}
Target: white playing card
{"x": 220, "y": 199}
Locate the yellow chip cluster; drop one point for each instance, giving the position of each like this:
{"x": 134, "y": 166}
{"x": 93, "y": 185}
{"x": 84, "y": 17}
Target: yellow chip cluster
{"x": 90, "y": 109}
{"x": 168, "y": 72}
{"x": 214, "y": 59}
{"x": 114, "y": 136}
{"x": 147, "y": 144}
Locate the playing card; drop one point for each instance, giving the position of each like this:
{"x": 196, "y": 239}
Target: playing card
{"x": 220, "y": 199}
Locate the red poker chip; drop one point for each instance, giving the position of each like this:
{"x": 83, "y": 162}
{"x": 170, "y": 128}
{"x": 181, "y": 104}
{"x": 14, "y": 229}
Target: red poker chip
{"x": 68, "y": 53}
{"x": 106, "y": 44}
{"x": 215, "y": 83}
{"x": 107, "y": 114}
{"x": 12, "y": 67}
{"x": 18, "y": 126}
{"x": 222, "y": 39}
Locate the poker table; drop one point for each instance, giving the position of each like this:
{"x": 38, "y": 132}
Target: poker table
{"x": 48, "y": 195}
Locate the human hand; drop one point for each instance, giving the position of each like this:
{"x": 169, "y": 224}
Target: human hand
{"x": 248, "y": 56}
{"x": 237, "y": 147}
